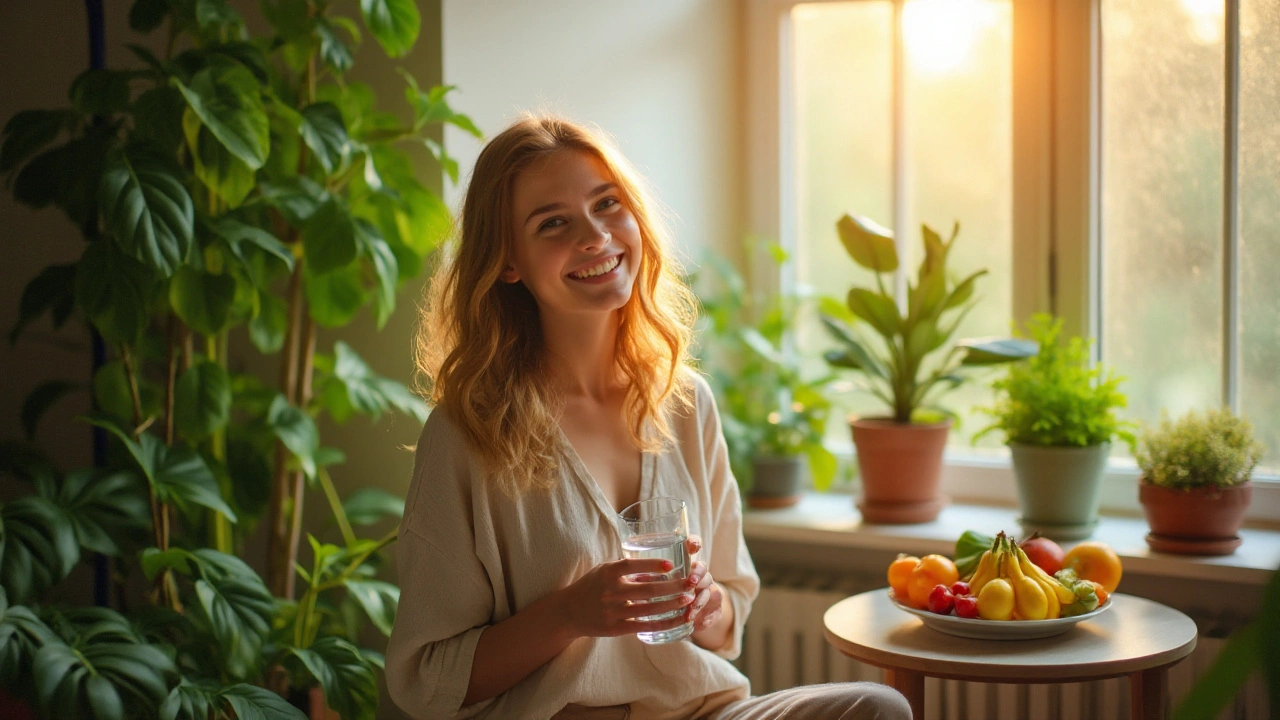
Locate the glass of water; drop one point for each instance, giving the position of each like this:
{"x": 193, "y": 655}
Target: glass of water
{"x": 658, "y": 528}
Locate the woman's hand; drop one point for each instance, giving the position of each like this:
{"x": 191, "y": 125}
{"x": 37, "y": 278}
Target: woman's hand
{"x": 607, "y": 600}
{"x": 711, "y": 624}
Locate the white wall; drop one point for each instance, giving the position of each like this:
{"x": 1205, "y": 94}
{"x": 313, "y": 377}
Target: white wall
{"x": 662, "y": 76}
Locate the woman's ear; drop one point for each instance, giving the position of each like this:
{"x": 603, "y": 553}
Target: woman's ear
{"x": 509, "y": 275}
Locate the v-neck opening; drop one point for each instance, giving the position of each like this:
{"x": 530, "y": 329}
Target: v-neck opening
{"x": 579, "y": 469}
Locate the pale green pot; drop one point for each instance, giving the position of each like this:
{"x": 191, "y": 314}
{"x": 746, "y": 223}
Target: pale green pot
{"x": 1059, "y": 487}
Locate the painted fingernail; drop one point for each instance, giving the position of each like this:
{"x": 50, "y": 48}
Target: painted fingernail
{"x": 666, "y": 565}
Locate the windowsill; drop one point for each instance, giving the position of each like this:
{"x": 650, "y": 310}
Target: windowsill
{"x": 829, "y": 519}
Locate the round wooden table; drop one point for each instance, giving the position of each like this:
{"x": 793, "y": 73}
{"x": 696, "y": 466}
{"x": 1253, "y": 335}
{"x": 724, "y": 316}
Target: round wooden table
{"x": 1136, "y": 637}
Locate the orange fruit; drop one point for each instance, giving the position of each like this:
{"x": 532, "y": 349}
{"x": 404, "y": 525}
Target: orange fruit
{"x": 1096, "y": 561}
{"x": 900, "y": 573}
{"x": 1100, "y": 591}
{"x": 932, "y": 570}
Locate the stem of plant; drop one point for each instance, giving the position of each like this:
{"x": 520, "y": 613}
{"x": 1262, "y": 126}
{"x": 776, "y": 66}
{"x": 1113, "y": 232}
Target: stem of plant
{"x": 216, "y": 349}
{"x": 297, "y": 485}
{"x": 279, "y": 571}
{"x": 335, "y": 504}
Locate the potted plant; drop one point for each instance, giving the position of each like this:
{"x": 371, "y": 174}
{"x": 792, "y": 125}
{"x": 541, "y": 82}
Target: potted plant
{"x": 235, "y": 189}
{"x": 1195, "y": 483}
{"x": 773, "y": 412}
{"x": 1058, "y": 416}
{"x": 911, "y": 363}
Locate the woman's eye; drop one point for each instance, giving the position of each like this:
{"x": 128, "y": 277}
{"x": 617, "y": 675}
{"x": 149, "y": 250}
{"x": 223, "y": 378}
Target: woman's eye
{"x": 606, "y": 203}
{"x": 550, "y": 223}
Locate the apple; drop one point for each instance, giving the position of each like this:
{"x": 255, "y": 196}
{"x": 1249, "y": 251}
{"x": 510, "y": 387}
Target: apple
{"x": 1045, "y": 553}
{"x": 967, "y": 606}
{"x": 941, "y": 600}
{"x": 961, "y": 587}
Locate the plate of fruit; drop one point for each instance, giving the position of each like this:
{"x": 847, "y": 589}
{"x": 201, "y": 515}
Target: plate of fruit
{"x": 1005, "y": 596}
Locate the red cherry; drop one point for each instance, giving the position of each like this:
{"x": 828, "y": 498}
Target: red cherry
{"x": 960, "y": 587}
{"x": 941, "y": 600}
{"x": 967, "y": 606}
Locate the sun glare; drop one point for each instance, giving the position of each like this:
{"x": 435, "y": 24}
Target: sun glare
{"x": 940, "y": 34}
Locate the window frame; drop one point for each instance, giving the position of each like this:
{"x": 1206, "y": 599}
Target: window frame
{"x": 1057, "y": 258}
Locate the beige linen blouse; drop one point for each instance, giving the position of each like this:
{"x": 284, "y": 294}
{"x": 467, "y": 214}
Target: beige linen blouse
{"x": 469, "y": 556}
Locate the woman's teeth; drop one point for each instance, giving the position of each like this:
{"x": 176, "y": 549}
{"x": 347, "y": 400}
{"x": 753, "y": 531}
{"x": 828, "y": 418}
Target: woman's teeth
{"x": 600, "y": 269}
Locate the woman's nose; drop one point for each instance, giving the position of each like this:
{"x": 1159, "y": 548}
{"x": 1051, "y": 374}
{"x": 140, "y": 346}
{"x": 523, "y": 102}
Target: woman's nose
{"x": 595, "y": 236}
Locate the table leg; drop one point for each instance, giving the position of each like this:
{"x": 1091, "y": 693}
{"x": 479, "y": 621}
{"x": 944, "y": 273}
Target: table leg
{"x": 911, "y": 685}
{"x": 1148, "y": 691}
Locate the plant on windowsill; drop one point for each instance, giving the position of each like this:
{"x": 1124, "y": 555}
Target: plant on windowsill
{"x": 236, "y": 187}
{"x": 1195, "y": 483}
{"x": 1058, "y": 416}
{"x": 773, "y": 412}
{"x": 912, "y": 363}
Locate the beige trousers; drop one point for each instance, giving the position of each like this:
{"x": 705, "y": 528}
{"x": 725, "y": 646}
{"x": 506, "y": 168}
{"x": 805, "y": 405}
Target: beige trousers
{"x": 836, "y": 701}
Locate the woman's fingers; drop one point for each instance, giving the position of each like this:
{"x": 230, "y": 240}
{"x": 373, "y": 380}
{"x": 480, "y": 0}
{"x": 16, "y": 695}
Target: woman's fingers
{"x": 647, "y": 590}
{"x": 693, "y": 544}
{"x": 699, "y": 577}
{"x": 679, "y": 602}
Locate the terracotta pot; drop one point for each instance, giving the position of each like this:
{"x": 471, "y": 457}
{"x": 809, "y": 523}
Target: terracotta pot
{"x": 900, "y": 466}
{"x": 1209, "y": 514}
{"x": 775, "y": 481}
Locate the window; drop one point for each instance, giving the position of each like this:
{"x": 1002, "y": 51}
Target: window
{"x": 1115, "y": 162}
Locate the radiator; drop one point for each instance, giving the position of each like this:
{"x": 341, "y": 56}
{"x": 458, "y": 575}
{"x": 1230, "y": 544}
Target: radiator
{"x": 783, "y": 647}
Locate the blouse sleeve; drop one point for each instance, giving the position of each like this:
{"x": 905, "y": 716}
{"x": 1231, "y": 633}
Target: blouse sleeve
{"x": 731, "y": 564}
{"x": 446, "y": 599}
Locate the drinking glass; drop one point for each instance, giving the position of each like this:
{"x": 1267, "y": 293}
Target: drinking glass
{"x": 658, "y": 528}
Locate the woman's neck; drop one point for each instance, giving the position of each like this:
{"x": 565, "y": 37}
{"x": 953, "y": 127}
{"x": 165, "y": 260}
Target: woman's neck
{"x": 582, "y": 354}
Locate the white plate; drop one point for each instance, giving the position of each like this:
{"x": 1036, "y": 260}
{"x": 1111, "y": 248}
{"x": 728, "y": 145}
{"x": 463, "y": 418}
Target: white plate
{"x": 998, "y": 629}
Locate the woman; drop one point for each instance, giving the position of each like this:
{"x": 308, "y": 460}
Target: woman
{"x": 555, "y": 341}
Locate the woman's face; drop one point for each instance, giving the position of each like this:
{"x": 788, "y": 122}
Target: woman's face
{"x": 577, "y": 245}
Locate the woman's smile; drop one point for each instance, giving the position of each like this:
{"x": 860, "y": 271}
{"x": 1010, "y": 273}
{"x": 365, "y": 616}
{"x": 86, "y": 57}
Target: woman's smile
{"x": 599, "y": 272}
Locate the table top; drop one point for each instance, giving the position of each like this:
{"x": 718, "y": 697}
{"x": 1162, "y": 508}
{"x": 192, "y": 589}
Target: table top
{"x": 1135, "y": 634}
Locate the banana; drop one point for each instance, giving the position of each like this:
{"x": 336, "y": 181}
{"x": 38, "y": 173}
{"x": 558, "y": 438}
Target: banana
{"x": 1054, "y": 604}
{"x": 1065, "y": 595}
{"x": 1030, "y": 600}
{"x": 983, "y": 574}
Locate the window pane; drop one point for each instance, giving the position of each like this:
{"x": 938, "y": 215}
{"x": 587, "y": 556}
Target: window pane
{"x": 959, "y": 137}
{"x": 959, "y": 97}
{"x": 1260, "y": 221}
{"x": 1162, "y": 145}
{"x": 843, "y": 143}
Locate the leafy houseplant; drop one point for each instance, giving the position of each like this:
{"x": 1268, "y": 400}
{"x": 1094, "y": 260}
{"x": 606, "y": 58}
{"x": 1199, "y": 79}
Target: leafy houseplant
{"x": 1058, "y": 416}
{"x": 238, "y": 183}
{"x": 774, "y": 413}
{"x": 1195, "y": 484}
{"x": 911, "y": 363}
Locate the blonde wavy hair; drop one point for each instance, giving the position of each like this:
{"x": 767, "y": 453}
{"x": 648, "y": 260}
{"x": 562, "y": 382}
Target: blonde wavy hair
{"x": 479, "y": 346}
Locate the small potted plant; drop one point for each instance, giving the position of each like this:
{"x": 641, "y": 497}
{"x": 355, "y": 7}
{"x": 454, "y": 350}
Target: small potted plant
{"x": 909, "y": 365}
{"x": 773, "y": 413}
{"x": 1195, "y": 484}
{"x": 1058, "y": 416}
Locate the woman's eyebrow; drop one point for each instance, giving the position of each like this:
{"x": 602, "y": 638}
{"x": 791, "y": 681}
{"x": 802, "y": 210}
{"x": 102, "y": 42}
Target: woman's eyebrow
{"x": 559, "y": 205}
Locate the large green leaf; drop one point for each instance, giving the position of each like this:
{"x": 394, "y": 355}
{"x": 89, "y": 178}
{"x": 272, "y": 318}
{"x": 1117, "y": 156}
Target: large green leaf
{"x": 147, "y": 15}
{"x": 104, "y": 508}
{"x": 297, "y": 198}
{"x": 202, "y": 400}
{"x": 177, "y": 474}
{"x": 992, "y": 351}
{"x": 329, "y": 238}
{"x": 112, "y": 394}
{"x": 347, "y": 678}
{"x": 250, "y": 702}
{"x": 217, "y": 167}
{"x": 433, "y": 107}
{"x": 37, "y": 547}
{"x": 239, "y": 611}
{"x": 102, "y": 675}
{"x": 99, "y": 91}
{"x": 227, "y": 98}
{"x": 963, "y": 291}
{"x": 29, "y": 132}
{"x": 53, "y": 289}
{"x": 157, "y": 118}
{"x": 378, "y": 599}
{"x": 878, "y": 310}
{"x": 268, "y": 327}
{"x": 385, "y": 268}
{"x": 191, "y": 700}
{"x": 241, "y": 236}
{"x": 21, "y": 635}
{"x": 367, "y": 506}
{"x": 296, "y": 430}
{"x": 203, "y": 300}
{"x": 214, "y": 14}
{"x": 325, "y": 135}
{"x": 334, "y": 298}
{"x": 369, "y": 392}
{"x": 147, "y": 209}
{"x": 869, "y": 244}
{"x": 855, "y": 353}
{"x": 395, "y": 23}
{"x": 40, "y": 400}
{"x": 114, "y": 291}
{"x": 333, "y": 51}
